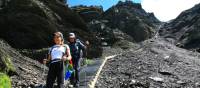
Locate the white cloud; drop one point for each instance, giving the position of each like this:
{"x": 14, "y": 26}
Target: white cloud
{"x": 166, "y": 10}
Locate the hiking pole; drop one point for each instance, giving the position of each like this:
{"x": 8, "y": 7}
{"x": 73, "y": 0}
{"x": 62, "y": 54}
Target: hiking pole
{"x": 63, "y": 73}
{"x": 43, "y": 73}
{"x": 85, "y": 74}
{"x": 86, "y": 57}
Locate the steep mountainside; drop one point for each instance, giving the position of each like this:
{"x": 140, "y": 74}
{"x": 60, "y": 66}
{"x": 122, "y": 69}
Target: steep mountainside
{"x": 29, "y": 24}
{"x": 24, "y": 72}
{"x": 34, "y": 21}
{"x": 158, "y": 63}
{"x": 125, "y": 21}
{"x": 185, "y": 29}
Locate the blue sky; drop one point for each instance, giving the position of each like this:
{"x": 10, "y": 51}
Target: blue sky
{"x": 105, "y": 3}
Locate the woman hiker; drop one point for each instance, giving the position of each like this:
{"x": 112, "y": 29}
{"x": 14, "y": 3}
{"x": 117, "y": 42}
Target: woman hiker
{"x": 76, "y": 49}
{"x": 57, "y": 55}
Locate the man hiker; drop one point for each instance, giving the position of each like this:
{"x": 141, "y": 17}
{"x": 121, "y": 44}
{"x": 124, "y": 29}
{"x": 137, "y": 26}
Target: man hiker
{"x": 58, "y": 53}
{"x": 76, "y": 49}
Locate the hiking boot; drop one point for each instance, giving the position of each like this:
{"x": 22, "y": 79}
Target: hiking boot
{"x": 70, "y": 86}
{"x": 76, "y": 85}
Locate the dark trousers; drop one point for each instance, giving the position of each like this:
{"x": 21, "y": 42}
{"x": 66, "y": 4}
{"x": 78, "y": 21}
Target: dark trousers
{"x": 55, "y": 72}
{"x": 75, "y": 78}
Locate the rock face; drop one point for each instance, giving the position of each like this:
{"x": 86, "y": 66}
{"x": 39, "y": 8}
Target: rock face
{"x": 88, "y": 13}
{"x": 184, "y": 29}
{"x": 23, "y": 71}
{"x": 156, "y": 64}
{"x": 29, "y": 24}
{"x": 125, "y": 21}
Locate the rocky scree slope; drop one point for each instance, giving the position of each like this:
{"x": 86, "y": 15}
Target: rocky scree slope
{"x": 157, "y": 64}
{"x": 23, "y": 71}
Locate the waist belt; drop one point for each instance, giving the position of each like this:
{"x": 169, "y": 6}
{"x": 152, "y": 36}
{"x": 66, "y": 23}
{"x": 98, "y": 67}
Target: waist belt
{"x": 56, "y": 60}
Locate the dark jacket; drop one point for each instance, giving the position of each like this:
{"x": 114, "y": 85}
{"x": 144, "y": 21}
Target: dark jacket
{"x": 77, "y": 49}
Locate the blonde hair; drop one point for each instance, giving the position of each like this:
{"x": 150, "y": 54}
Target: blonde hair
{"x": 61, "y": 35}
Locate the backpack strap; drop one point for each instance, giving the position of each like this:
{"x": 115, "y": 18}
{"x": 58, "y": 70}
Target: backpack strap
{"x": 80, "y": 44}
{"x": 66, "y": 48}
{"x": 50, "y": 50}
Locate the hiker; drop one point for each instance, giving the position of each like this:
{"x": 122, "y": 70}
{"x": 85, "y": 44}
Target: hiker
{"x": 58, "y": 53}
{"x": 76, "y": 49}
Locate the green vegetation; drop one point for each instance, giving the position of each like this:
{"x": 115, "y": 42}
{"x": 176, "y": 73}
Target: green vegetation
{"x": 88, "y": 61}
{"x": 5, "y": 81}
{"x": 7, "y": 65}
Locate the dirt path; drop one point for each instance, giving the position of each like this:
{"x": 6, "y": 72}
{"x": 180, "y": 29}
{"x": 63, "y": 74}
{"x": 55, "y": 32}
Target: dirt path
{"x": 94, "y": 80}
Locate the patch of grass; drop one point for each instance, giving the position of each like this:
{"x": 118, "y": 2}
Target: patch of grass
{"x": 9, "y": 64}
{"x": 6, "y": 59}
{"x": 5, "y": 81}
{"x": 88, "y": 61}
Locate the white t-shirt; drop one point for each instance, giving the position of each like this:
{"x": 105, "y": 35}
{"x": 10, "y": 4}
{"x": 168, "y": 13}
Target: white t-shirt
{"x": 57, "y": 51}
